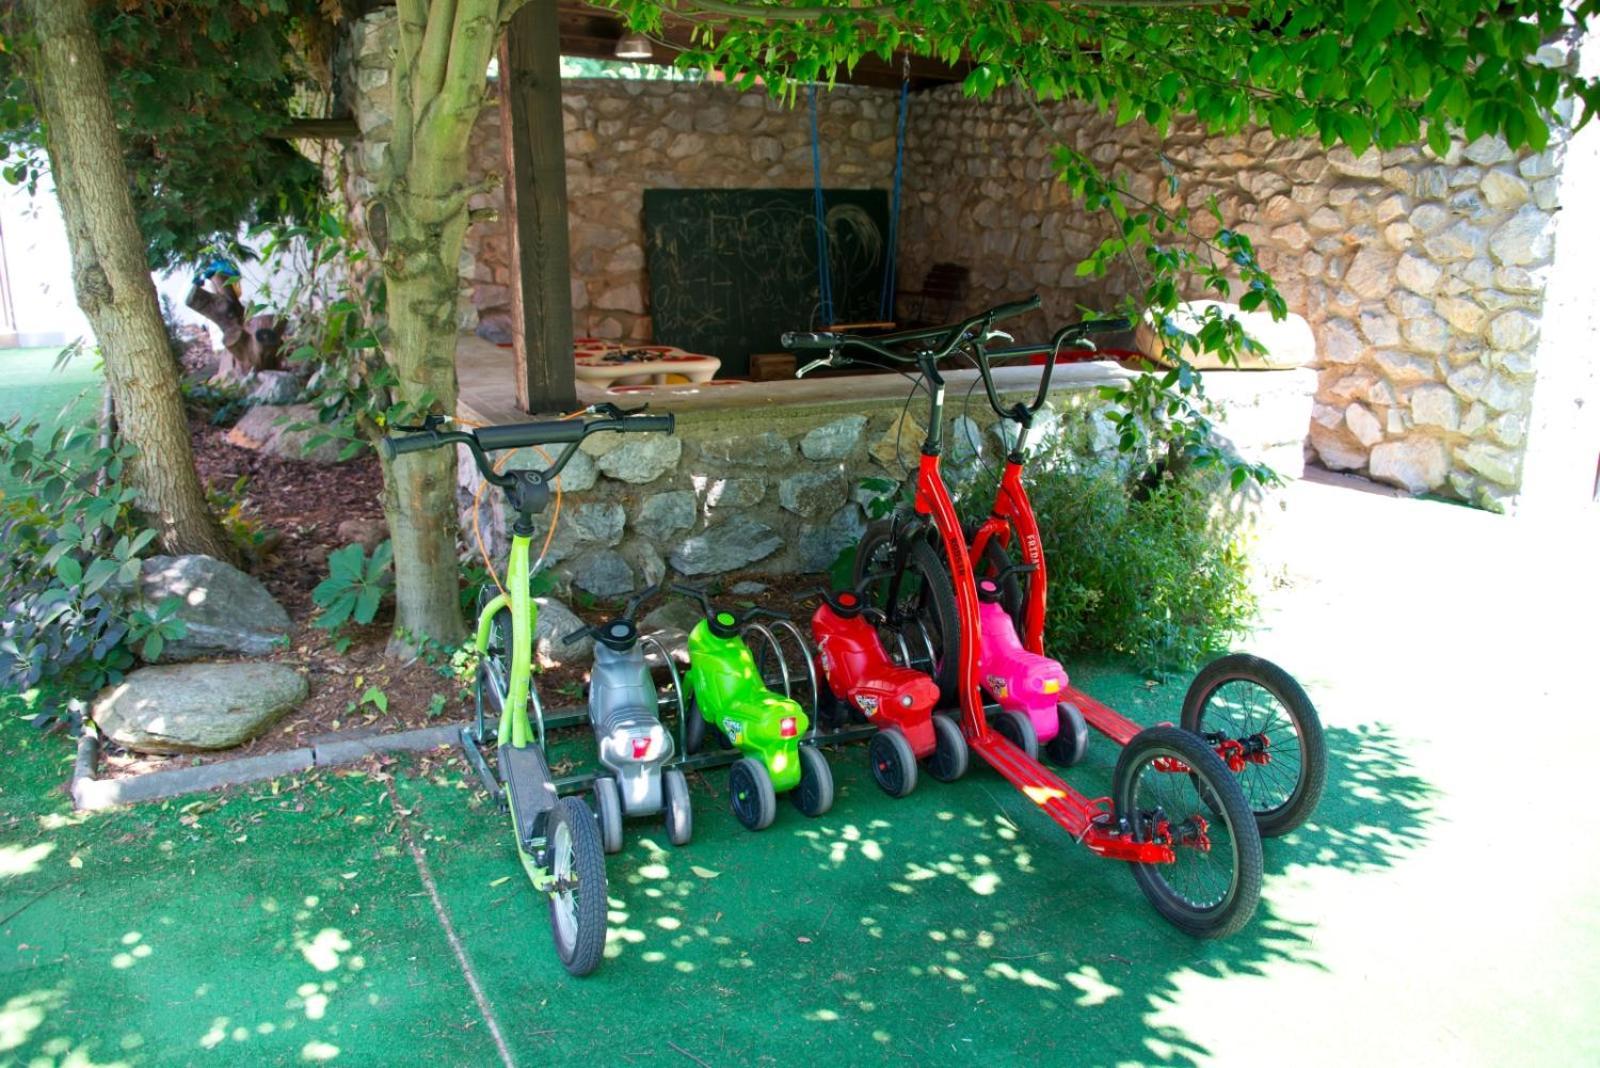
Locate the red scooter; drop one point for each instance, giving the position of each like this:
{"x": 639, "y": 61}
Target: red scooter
{"x": 864, "y": 682}
{"x": 1176, "y": 813}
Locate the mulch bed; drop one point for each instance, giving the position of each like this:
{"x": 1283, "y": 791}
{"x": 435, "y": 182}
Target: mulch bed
{"x": 300, "y": 506}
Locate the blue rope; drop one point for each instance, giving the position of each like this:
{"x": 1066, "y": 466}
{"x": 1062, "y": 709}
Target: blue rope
{"x": 890, "y": 262}
{"x": 824, "y": 280}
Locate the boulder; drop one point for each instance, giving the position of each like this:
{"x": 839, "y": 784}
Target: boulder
{"x": 368, "y": 533}
{"x": 835, "y": 440}
{"x": 186, "y": 708}
{"x": 223, "y": 609}
{"x": 642, "y": 458}
{"x": 266, "y": 428}
{"x": 555, "y": 621}
{"x": 740, "y": 541}
{"x": 273, "y": 387}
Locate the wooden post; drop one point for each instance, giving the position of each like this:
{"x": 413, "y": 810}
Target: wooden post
{"x": 536, "y": 198}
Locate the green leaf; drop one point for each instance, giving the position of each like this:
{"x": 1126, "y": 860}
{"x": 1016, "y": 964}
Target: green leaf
{"x": 69, "y": 570}
{"x": 375, "y": 696}
{"x": 153, "y": 645}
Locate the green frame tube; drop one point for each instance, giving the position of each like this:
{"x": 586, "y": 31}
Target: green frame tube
{"x": 515, "y": 728}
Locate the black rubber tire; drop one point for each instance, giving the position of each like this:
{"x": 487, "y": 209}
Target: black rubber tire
{"x": 1017, "y": 729}
{"x": 937, "y": 597}
{"x": 694, "y": 727}
{"x": 951, "y": 754}
{"x": 814, "y": 795}
{"x": 581, "y": 954}
{"x": 1072, "y": 736}
{"x": 1263, "y": 790}
{"x": 893, "y": 764}
{"x": 750, "y": 794}
{"x": 1215, "y": 788}
{"x": 676, "y": 807}
{"x": 608, "y": 813}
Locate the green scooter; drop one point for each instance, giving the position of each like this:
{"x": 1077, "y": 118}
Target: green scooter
{"x": 727, "y": 692}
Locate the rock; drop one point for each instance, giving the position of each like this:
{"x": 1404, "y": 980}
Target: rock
{"x": 966, "y": 440}
{"x": 748, "y": 588}
{"x": 1380, "y": 328}
{"x": 644, "y": 559}
{"x": 729, "y": 494}
{"x": 223, "y": 609}
{"x": 1435, "y": 405}
{"x": 497, "y": 329}
{"x": 811, "y": 493}
{"x": 641, "y": 458}
{"x": 1429, "y": 218}
{"x": 766, "y": 449}
{"x": 1491, "y": 462}
{"x": 1369, "y": 274}
{"x": 368, "y": 533}
{"x": 1417, "y": 274}
{"x": 1417, "y": 464}
{"x": 266, "y": 428}
{"x": 601, "y": 521}
{"x": 1401, "y": 367}
{"x": 186, "y": 708}
{"x": 1363, "y": 424}
{"x": 664, "y": 514}
{"x": 1503, "y": 190}
{"x": 1463, "y": 315}
{"x": 818, "y": 547}
{"x": 1487, "y": 151}
{"x": 579, "y": 474}
{"x": 1513, "y": 330}
{"x": 273, "y": 387}
{"x": 1340, "y": 342}
{"x": 1335, "y": 451}
{"x": 833, "y": 441}
{"x": 734, "y": 544}
{"x": 898, "y": 448}
{"x": 554, "y": 622}
{"x": 1427, "y": 333}
{"x": 1463, "y": 241}
{"x": 605, "y": 574}
{"x": 671, "y": 620}
{"x": 1367, "y": 165}
{"x": 1522, "y": 239}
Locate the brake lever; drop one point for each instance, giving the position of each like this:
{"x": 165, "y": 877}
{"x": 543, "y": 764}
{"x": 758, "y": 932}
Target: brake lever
{"x": 826, "y": 361}
{"x": 430, "y": 422}
{"x": 993, "y": 335}
{"x": 611, "y": 411}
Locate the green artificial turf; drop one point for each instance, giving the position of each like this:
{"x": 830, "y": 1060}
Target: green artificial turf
{"x": 31, "y": 387}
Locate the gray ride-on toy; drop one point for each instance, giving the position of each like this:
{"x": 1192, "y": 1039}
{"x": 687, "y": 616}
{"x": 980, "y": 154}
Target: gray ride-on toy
{"x": 636, "y": 750}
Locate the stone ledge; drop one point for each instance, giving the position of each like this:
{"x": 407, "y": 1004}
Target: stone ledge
{"x": 90, "y": 794}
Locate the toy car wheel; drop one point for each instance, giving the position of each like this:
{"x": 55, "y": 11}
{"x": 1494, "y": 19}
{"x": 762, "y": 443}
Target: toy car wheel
{"x": 894, "y": 765}
{"x": 1169, "y": 787}
{"x": 948, "y": 761}
{"x": 1259, "y": 711}
{"x": 814, "y": 795}
{"x": 679, "y": 813}
{"x": 750, "y": 794}
{"x": 694, "y": 727}
{"x": 1017, "y": 729}
{"x": 608, "y": 813}
{"x": 1072, "y": 736}
{"x": 577, "y": 868}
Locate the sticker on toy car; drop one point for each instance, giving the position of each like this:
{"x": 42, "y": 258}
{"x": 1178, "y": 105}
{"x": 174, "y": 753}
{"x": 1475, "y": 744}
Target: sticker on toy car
{"x": 868, "y": 703}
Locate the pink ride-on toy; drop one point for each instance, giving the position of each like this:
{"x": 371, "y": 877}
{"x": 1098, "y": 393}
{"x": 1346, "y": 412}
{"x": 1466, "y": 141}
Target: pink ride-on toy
{"x": 1030, "y": 688}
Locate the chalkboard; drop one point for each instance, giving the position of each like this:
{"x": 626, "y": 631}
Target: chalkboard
{"x": 732, "y": 269}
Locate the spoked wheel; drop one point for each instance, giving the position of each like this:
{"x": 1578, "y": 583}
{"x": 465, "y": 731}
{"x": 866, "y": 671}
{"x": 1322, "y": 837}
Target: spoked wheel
{"x": 1072, "y": 736}
{"x": 1256, "y": 717}
{"x": 750, "y": 794}
{"x": 608, "y": 813}
{"x": 814, "y": 795}
{"x": 925, "y": 594}
{"x": 894, "y": 765}
{"x": 1017, "y": 729}
{"x": 578, "y": 893}
{"x": 679, "y": 812}
{"x": 1169, "y": 787}
{"x": 948, "y": 761}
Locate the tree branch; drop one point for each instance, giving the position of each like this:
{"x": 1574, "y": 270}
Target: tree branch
{"x": 433, "y": 58}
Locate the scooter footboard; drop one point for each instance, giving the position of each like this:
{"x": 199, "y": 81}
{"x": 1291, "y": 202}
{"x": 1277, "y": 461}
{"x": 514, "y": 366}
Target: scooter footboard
{"x": 1103, "y": 718}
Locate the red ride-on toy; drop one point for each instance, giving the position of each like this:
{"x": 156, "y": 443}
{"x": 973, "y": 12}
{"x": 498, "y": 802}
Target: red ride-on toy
{"x": 864, "y": 682}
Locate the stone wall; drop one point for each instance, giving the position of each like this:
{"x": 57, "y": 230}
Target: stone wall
{"x": 1422, "y": 277}
{"x": 622, "y": 138}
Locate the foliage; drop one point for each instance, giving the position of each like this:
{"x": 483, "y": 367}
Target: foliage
{"x": 1363, "y": 75}
{"x": 221, "y": 402}
{"x": 241, "y": 522}
{"x": 70, "y": 553}
{"x": 1156, "y": 572}
{"x": 354, "y": 588}
{"x": 196, "y": 87}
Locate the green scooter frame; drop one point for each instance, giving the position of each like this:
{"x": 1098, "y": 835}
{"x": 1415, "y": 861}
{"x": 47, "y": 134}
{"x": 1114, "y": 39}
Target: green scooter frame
{"x": 771, "y": 731}
{"x": 557, "y": 838}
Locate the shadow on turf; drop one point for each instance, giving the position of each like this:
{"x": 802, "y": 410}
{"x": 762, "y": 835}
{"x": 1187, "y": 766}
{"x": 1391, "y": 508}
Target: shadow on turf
{"x": 1088, "y": 955}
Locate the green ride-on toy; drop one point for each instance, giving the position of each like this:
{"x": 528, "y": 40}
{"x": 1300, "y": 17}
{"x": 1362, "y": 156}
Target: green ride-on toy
{"x": 728, "y": 692}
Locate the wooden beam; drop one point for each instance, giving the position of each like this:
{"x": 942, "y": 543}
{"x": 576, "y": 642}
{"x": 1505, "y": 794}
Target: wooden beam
{"x": 536, "y": 198}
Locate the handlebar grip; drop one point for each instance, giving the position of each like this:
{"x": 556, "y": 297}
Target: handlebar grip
{"x": 1103, "y": 326}
{"x": 522, "y": 435}
{"x": 805, "y": 341}
{"x": 1015, "y": 308}
{"x": 638, "y": 424}
{"x": 394, "y": 445}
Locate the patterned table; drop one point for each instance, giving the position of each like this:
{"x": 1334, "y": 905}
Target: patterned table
{"x": 607, "y": 363}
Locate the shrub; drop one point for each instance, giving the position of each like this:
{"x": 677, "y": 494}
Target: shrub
{"x": 1153, "y": 570}
{"x": 70, "y": 551}
{"x": 354, "y": 588}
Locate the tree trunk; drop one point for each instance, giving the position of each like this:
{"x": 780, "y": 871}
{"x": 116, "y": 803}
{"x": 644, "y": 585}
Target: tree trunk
{"x": 112, "y": 278}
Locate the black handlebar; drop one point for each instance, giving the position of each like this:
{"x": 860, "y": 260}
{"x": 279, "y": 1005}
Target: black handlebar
{"x": 568, "y": 432}
{"x": 713, "y": 614}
